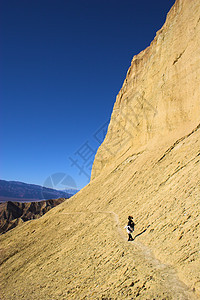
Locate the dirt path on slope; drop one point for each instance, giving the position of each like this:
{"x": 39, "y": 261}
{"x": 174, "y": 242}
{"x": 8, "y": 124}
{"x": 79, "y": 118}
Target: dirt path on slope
{"x": 167, "y": 274}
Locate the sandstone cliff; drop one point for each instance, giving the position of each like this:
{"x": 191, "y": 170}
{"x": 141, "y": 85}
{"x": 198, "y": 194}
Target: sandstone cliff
{"x": 149, "y": 167}
{"x": 159, "y": 99}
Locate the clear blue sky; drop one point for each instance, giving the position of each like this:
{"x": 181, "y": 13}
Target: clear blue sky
{"x": 62, "y": 64}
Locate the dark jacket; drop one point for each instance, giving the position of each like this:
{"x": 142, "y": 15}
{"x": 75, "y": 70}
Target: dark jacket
{"x": 131, "y": 224}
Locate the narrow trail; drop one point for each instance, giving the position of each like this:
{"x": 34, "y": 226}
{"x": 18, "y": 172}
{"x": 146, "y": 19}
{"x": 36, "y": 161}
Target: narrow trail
{"x": 180, "y": 290}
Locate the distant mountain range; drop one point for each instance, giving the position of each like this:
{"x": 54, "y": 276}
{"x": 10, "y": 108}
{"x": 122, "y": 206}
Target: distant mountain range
{"x": 24, "y": 192}
{"x": 70, "y": 191}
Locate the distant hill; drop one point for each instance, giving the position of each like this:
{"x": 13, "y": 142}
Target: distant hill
{"x": 24, "y": 192}
{"x": 15, "y": 213}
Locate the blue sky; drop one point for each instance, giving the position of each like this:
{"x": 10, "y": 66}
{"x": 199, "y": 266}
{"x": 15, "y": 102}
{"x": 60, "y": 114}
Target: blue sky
{"x": 62, "y": 65}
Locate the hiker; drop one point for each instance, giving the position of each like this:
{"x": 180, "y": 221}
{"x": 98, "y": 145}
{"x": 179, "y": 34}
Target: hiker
{"x": 130, "y": 228}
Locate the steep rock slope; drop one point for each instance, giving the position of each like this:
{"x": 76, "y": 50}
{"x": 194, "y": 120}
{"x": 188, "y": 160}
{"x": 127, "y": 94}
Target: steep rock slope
{"x": 160, "y": 95}
{"x": 79, "y": 249}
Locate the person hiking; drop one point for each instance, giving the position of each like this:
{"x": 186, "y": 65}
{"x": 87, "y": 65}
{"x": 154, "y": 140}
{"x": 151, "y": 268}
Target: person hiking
{"x": 130, "y": 228}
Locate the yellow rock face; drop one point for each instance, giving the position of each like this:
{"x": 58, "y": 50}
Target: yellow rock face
{"x": 148, "y": 167}
{"x": 160, "y": 94}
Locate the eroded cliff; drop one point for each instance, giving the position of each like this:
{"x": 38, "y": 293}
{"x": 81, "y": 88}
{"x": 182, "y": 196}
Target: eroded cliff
{"x": 15, "y": 213}
{"x": 160, "y": 95}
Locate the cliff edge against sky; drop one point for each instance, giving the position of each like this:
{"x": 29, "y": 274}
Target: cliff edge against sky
{"x": 160, "y": 95}
{"x": 149, "y": 167}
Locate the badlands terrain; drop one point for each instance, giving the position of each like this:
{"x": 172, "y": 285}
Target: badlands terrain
{"x": 149, "y": 167}
{"x": 13, "y": 214}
